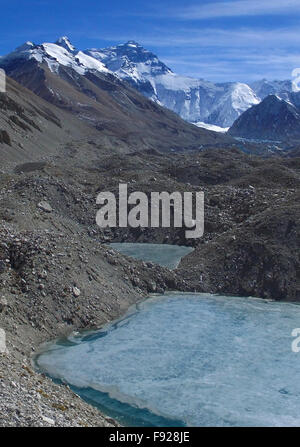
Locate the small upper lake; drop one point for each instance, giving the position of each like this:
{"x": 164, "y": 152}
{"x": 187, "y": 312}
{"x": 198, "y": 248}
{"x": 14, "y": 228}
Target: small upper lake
{"x": 162, "y": 254}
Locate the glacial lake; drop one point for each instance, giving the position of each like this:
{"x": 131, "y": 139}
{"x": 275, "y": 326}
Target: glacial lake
{"x": 163, "y": 254}
{"x": 188, "y": 360}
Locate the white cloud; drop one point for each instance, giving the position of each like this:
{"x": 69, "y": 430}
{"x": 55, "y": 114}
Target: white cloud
{"x": 235, "y": 65}
{"x": 211, "y": 37}
{"x": 237, "y": 8}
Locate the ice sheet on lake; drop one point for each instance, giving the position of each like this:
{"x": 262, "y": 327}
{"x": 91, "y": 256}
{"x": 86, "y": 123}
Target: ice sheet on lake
{"x": 201, "y": 359}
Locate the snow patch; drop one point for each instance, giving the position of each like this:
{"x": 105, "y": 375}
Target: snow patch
{"x": 65, "y": 42}
{"x": 211, "y": 127}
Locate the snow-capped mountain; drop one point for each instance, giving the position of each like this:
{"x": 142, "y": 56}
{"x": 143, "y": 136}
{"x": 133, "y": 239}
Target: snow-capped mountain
{"x": 55, "y": 54}
{"x": 83, "y": 86}
{"x": 134, "y": 64}
{"x": 264, "y": 88}
{"x": 235, "y": 99}
{"x": 274, "y": 119}
{"x": 195, "y": 100}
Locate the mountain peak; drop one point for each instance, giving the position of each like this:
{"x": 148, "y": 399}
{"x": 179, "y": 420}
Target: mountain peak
{"x": 274, "y": 118}
{"x": 64, "y": 42}
{"x": 132, "y": 43}
{"x": 60, "y": 53}
{"x": 26, "y": 46}
{"x": 131, "y": 61}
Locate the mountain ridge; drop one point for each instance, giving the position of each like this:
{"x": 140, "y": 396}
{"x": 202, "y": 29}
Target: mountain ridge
{"x": 120, "y": 115}
{"x": 275, "y": 118}
{"x": 195, "y": 100}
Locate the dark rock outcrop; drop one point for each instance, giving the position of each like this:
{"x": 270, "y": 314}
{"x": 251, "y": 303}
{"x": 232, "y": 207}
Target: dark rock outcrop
{"x": 273, "y": 119}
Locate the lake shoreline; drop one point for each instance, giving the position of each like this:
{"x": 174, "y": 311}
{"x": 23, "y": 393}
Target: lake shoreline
{"x": 228, "y": 363}
{"x": 66, "y": 407}
{"x": 29, "y": 398}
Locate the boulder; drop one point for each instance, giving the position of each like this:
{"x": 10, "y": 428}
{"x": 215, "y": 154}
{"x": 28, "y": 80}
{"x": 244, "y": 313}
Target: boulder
{"x": 76, "y": 292}
{"x": 45, "y": 206}
{"x": 3, "y": 304}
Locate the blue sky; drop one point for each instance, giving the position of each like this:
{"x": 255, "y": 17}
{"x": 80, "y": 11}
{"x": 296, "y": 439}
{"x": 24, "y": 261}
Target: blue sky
{"x": 218, "y": 40}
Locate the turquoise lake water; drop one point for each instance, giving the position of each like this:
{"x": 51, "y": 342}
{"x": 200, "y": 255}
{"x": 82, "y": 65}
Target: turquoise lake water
{"x": 188, "y": 359}
{"x": 162, "y": 254}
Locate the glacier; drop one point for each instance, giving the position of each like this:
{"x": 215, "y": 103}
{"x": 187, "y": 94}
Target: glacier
{"x": 195, "y": 100}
